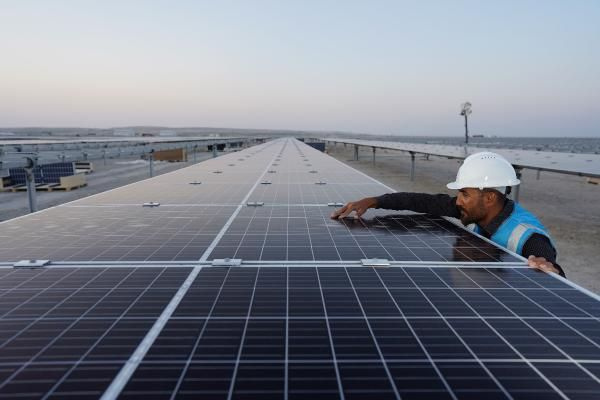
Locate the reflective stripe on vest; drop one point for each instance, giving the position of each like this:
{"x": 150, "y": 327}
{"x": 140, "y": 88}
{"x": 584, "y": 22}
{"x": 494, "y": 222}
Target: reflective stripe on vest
{"x": 517, "y": 229}
{"x": 519, "y": 236}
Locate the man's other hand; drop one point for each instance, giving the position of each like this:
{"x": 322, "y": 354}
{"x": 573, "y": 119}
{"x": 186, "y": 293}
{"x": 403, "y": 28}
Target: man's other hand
{"x": 360, "y": 207}
{"x": 542, "y": 264}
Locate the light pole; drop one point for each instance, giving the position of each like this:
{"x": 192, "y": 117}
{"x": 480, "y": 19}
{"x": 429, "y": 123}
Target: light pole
{"x": 466, "y": 111}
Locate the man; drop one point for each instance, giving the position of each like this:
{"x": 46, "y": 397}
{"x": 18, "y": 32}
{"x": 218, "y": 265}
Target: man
{"x": 483, "y": 181}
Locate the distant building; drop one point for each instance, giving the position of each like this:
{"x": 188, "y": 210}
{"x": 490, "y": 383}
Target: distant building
{"x": 166, "y": 132}
{"x": 124, "y": 132}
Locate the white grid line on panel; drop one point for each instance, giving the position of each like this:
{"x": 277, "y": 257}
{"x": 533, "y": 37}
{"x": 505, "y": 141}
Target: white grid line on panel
{"x": 127, "y": 371}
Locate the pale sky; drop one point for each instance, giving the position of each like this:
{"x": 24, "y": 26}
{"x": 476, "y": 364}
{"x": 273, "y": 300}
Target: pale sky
{"x": 530, "y": 68}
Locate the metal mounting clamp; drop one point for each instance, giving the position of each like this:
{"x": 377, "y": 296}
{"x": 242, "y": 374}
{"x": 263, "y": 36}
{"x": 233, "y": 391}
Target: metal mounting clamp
{"x": 227, "y": 262}
{"x": 375, "y": 262}
{"x": 31, "y": 263}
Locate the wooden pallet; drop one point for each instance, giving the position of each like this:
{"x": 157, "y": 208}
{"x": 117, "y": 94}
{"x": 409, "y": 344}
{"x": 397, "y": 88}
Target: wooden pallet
{"x": 593, "y": 181}
{"x": 6, "y": 184}
{"x": 68, "y": 188}
{"x": 46, "y": 188}
{"x": 67, "y": 183}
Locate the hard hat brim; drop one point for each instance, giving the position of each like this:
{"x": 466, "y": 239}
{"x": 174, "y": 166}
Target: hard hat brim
{"x": 457, "y": 186}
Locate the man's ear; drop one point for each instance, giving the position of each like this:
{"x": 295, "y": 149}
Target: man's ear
{"x": 489, "y": 197}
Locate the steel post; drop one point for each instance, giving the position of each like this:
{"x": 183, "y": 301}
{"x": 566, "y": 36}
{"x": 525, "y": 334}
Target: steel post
{"x": 30, "y": 179}
{"x": 516, "y": 188}
{"x": 412, "y": 166}
{"x": 355, "y": 152}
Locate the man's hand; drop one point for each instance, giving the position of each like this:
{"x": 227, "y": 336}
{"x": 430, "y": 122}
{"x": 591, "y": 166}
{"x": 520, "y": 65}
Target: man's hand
{"x": 360, "y": 206}
{"x": 542, "y": 264}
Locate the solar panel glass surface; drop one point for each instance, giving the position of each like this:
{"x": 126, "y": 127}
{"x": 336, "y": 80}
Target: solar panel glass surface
{"x": 296, "y": 328}
{"x": 398, "y": 332}
{"x": 68, "y": 331}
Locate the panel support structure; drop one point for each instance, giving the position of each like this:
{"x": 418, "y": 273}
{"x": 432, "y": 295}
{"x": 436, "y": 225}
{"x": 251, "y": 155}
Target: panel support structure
{"x": 151, "y": 164}
{"x": 373, "y": 155}
{"x": 31, "y": 195}
{"x": 519, "y": 176}
{"x": 355, "y": 152}
{"x": 412, "y": 166}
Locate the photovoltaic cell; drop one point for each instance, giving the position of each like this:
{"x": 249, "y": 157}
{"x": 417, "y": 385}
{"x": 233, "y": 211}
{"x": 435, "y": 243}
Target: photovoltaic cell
{"x": 484, "y": 326}
{"x": 51, "y": 173}
{"x": 297, "y": 233}
{"x": 318, "y": 332}
{"x": 128, "y": 233}
{"x": 68, "y": 331}
{"x": 313, "y": 193}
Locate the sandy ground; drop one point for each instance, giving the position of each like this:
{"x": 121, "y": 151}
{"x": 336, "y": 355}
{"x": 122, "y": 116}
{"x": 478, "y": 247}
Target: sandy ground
{"x": 117, "y": 172}
{"x": 567, "y": 205}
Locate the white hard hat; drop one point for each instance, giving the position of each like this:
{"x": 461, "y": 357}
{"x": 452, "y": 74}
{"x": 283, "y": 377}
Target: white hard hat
{"x": 484, "y": 170}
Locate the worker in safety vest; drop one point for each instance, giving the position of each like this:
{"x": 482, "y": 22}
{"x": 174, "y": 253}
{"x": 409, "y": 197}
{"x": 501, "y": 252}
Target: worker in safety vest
{"x": 483, "y": 181}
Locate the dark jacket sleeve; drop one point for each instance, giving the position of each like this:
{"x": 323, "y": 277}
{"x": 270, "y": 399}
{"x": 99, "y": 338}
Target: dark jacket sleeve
{"x": 540, "y": 246}
{"x": 435, "y": 204}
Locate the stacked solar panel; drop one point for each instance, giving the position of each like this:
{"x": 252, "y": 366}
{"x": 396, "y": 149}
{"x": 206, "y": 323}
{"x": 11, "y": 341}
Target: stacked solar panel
{"x": 53, "y": 172}
{"x": 18, "y": 176}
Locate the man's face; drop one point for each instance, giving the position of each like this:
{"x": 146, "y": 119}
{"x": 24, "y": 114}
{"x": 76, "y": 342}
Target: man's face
{"x": 471, "y": 206}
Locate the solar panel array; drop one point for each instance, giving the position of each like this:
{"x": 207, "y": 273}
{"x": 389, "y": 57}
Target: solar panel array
{"x": 562, "y": 162}
{"x": 136, "y": 303}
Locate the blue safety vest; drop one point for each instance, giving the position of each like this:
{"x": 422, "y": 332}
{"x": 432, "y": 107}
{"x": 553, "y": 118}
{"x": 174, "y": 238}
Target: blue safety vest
{"x": 516, "y": 229}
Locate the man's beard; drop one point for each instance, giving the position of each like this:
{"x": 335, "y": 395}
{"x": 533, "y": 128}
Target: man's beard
{"x": 470, "y": 218}
{"x": 466, "y": 219}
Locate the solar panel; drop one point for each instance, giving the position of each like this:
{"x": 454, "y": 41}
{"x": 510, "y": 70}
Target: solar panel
{"x": 328, "y": 332}
{"x": 132, "y": 307}
{"x": 125, "y": 233}
{"x": 51, "y": 173}
{"x": 18, "y": 175}
{"x": 296, "y": 233}
{"x": 68, "y": 331}
{"x": 562, "y": 162}
{"x": 47, "y": 173}
{"x": 192, "y": 191}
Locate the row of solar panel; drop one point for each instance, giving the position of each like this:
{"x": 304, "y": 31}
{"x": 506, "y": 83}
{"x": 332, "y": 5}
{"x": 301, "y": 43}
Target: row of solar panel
{"x": 281, "y": 332}
{"x": 301, "y": 233}
{"x": 261, "y": 332}
{"x": 89, "y": 230}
